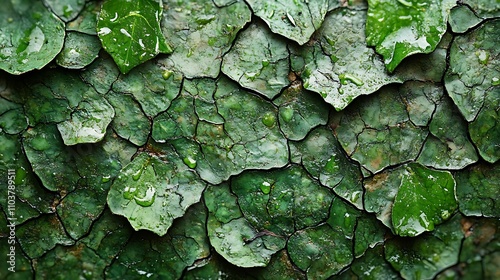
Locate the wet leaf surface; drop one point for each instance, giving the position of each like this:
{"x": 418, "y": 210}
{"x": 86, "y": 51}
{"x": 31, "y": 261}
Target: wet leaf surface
{"x": 79, "y": 50}
{"x": 199, "y": 37}
{"x": 335, "y": 68}
{"x": 130, "y": 31}
{"x": 154, "y": 257}
{"x": 153, "y": 190}
{"x": 281, "y": 201}
{"x": 296, "y": 21}
{"x": 263, "y": 67}
{"x": 272, "y": 143}
{"x": 320, "y": 251}
{"x": 25, "y": 29}
{"x": 321, "y": 155}
{"x": 233, "y": 236}
{"x": 29, "y": 235}
{"x": 425, "y": 198}
{"x": 300, "y": 111}
{"x": 401, "y": 28}
{"x": 65, "y": 9}
{"x": 378, "y": 133}
{"x": 426, "y": 255}
{"x": 477, "y": 190}
{"x": 473, "y": 83}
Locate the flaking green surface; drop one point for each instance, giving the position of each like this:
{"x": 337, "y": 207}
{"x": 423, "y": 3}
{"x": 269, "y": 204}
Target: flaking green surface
{"x": 277, "y": 140}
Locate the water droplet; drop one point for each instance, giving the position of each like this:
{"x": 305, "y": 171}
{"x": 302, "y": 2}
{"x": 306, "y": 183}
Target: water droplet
{"x": 190, "y": 162}
{"x": 251, "y": 75}
{"x": 286, "y": 114}
{"x": 355, "y": 196}
{"x": 129, "y": 192}
{"x": 265, "y": 187}
{"x": 265, "y": 62}
{"x": 148, "y": 199}
{"x": 104, "y": 31}
{"x": 105, "y": 178}
{"x": 269, "y": 119}
{"x": 290, "y": 18}
{"x": 167, "y": 74}
{"x": 483, "y": 56}
{"x": 495, "y": 81}
{"x": 137, "y": 175}
{"x": 348, "y": 77}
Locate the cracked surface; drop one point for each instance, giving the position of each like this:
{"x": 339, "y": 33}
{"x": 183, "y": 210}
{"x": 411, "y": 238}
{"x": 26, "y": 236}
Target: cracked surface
{"x": 271, "y": 144}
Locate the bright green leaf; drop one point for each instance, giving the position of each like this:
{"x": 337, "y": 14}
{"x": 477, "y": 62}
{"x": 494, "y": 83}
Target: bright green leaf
{"x": 130, "y": 31}
{"x": 401, "y": 28}
{"x": 425, "y": 199}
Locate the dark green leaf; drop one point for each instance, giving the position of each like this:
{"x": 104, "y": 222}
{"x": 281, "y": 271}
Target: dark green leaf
{"x": 30, "y": 36}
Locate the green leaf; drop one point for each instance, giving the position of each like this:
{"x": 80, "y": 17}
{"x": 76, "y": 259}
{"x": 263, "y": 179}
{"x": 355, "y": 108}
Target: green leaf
{"x": 428, "y": 254}
{"x": 477, "y": 190}
{"x": 463, "y": 18}
{"x": 377, "y": 131}
{"x": 401, "y": 28}
{"x": 373, "y": 266}
{"x": 264, "y": 66}
{"x": 320, "y": 251}
{"x": 66, "y": 9}
{"x": 149, "y": 86}
{"x": 448, "y": 146}
{"x": 300, "y": 111}
{"x": 129, "y": 122}
{"x": 108, "y": 235}
{"x": 381, "y": 189}
{"x": 12, "y": 118}
{"x": 48, "y": 226}
{"x": 295, "y": 20}
{"x": 50, "y": 159}
{"x": 281, "y": 201}
{"x": 322, "y": 156}
{"x": 77, "y": 261}
{"x": 86, "y": 21}
{"x": 425, "y": 198}
{"x": 79, "y": 50}
{"x": 149, "y": 256}
{"x": 130, "y": 31}
{"x": 339, "y": 66}
{"x": 153, "y": 190}
{"x": 202, "y": 32}
{"x": 232, "y": 236}
{"x": 240, "y": 133}
{"x": 30, "y": 36}
{"x": 473, "y": 81}
{"x": 88, "y": 121}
